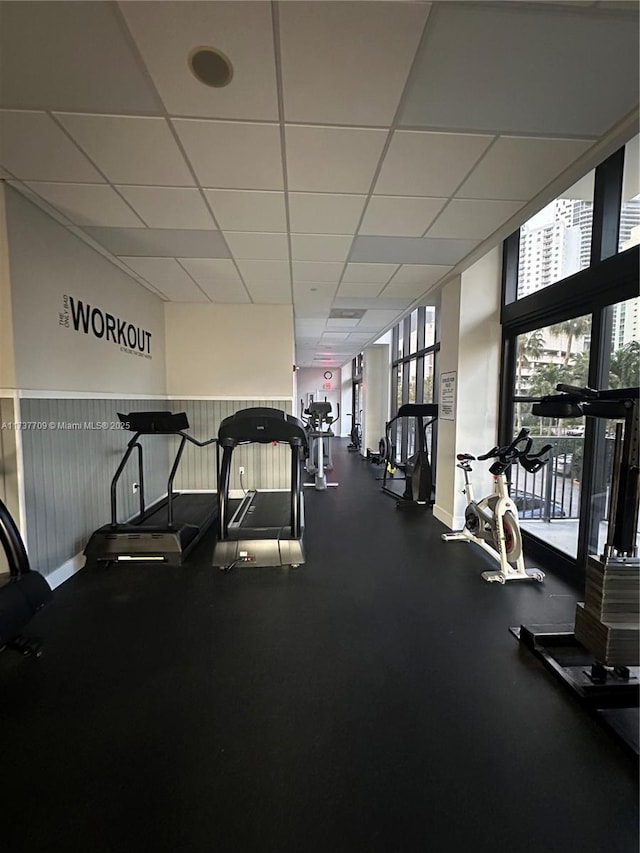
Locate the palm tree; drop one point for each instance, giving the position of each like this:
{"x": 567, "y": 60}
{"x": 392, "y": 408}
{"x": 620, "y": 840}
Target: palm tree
{"x": 577, "y": 327}
{"x": 624, "y": 367}
{"x": 579, "y": 367}
{"x": 530, "y": 348}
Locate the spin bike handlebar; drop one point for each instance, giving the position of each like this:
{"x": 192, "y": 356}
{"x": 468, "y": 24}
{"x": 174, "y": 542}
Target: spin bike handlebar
{"x": 511, "y": 453}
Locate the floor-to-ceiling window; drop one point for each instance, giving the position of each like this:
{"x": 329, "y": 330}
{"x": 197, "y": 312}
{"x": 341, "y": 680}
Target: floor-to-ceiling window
{"x": 414, "y": 352}
{"x": 570, "y": 315}
{"x": 356, "y": 399}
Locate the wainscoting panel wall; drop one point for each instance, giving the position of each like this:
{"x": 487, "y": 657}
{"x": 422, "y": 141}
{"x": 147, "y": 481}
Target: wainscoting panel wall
{"x": 266, "y": 466}
{"x": 68, "y": 466}
{"x": 8, "y": 466}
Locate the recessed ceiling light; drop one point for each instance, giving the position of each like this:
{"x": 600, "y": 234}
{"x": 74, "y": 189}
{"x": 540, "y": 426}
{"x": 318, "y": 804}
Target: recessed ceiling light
{"x": 210, "y": 66}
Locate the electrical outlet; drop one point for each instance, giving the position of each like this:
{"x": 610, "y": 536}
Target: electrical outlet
{"x": 241, "y": 470}
{"x": 135, "y": 487}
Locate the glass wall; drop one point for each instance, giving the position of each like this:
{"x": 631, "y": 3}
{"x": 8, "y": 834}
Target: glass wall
{"x": 412, "y": 373}
{"x": 582, "y": 331}
{"x": 556, "y": 242}
{"x": 630, "y": 204}
{"x": 545, "y": 357}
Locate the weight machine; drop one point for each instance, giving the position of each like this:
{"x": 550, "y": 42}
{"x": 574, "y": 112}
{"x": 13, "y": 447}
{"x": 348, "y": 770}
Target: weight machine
{"x": 597, "y": 657}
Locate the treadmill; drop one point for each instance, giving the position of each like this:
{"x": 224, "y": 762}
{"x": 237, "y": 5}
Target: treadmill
{"x": 267, "y": 527}
{"x": 168, "y": 530}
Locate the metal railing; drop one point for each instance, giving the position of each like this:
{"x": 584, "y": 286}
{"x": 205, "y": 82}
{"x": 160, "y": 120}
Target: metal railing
{"x": 553, "y": 493}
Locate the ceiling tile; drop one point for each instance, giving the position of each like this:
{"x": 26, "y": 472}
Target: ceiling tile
{"x": 369, "y": 273}
{"x": 359, "y": 337}
{"x": 397, "y": 303}
{"x": 339, "y": 323}
{"x": 207, "y": 271}
{"x": 168, "y": 276}
{"x": 332, "y": 159}
{"x": 227, "y": 294}
{"x": 473, "y": 218}
{"x": 359, "y": 290}
{"x": 167, "y": 33}
{"x": 160, "y": 242}
{"x": 169, "y": 207}
{"x": 519, "y": 168}
{"x": 254, "y": 270}
{"x": 88, "y": 204}
{"x": 270, "y": 292}
{"x": 419, "y": 274}
{"x": 247, "y": 210}
{"x": 310, "y": 328}
{"x": 325, "y": 213}
{"x": 49, "y": 155}
{"x": 406, "y": 291}
{"x": 314, "y": 247}
{"x": 251, "y": 245}
{"x": 587, "y": 61}
{"x": 379, "y": 318}
{"x": 317, "y": 271}
{"x": 335, "y": 336}
{"x": 247, "y": 156}
{"x": 58, "y": 56}
{"x": 365, "y": 60}
{"x": 411, "y": 250}
{"x": 400, "y": 215}
{"x": 428, "y": 164}
{"x": 128, "y": 149}
{"x": 225, "y": 290}
{"x": 311, "y": 310}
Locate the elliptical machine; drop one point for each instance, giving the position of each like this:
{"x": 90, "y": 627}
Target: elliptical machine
{"x": 317, "y": 420}
{"x": 492, "y": 523}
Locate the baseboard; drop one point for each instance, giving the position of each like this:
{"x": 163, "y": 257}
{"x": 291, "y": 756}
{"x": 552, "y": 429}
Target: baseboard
{"x": 449, "y": 520}
{"x": 66, "y": 570}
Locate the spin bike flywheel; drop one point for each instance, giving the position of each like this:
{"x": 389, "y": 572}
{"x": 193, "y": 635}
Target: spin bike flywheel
{"x": 471, "y": 521}
{"x": 512, "y": 537}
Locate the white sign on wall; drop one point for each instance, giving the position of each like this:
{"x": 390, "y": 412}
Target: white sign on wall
{"x": 447, "y": 401}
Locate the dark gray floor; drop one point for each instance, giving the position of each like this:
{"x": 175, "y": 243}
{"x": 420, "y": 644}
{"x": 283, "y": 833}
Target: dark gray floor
{"x": 372, "y": 700}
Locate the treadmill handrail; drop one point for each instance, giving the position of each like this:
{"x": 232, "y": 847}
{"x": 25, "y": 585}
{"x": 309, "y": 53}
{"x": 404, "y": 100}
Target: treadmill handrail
{"x": 134, "y": 442}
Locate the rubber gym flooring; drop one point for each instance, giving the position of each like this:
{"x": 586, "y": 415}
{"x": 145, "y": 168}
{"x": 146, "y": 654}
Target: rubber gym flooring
{"x": 372, "y": 700}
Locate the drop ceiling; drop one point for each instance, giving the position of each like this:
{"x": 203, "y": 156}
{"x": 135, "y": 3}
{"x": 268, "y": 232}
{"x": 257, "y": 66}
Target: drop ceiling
{"x": 363, "y": 152}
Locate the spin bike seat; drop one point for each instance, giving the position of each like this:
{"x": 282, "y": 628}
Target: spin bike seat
{"x": 461, "y": 457}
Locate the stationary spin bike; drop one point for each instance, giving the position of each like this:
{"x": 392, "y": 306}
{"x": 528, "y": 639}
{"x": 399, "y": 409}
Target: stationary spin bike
{"x": 492, "y": 523}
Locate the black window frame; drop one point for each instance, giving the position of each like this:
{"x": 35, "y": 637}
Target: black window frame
{"x": 612, "y": 277}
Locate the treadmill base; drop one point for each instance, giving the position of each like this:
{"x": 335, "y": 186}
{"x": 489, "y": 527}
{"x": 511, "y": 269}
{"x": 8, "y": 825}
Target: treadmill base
{"x": 258, "y": 552}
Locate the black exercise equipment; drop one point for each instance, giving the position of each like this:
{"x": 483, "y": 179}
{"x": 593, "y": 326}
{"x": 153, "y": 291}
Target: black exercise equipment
{"x": 268, "y": 527}
{"x": 418, "y": 478}
{"x": 24, "y": 593}
{"x": 170, "y": 528}
{"x": 356, "y": 432}
{"x": 598, "y": 656}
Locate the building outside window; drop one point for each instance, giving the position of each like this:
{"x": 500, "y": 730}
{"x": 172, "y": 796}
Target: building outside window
{"x": 582, "y": 330}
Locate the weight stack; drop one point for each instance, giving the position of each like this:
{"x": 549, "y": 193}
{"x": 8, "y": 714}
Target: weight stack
{"x": 607, "y": 623}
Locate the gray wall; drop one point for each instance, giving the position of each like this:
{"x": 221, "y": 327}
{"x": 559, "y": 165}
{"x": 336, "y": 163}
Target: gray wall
{"x": 67, "y": 474}
{"x": 8, "y": 468}
{"x": 266, "y": 467}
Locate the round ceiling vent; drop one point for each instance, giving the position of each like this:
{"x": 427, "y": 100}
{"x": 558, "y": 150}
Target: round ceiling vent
{"x": 210, "y": 67}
